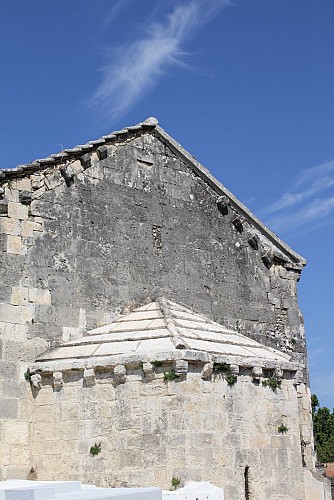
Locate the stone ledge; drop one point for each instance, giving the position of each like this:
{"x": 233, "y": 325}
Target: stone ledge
{"x": 183, "y": 360}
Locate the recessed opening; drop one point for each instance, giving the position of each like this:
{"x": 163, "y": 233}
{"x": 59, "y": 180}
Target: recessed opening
{"x": 246, "y": 477}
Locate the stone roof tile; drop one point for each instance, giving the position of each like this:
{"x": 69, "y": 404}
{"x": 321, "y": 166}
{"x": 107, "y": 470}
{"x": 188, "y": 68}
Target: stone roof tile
{"x": 160, "y": 327}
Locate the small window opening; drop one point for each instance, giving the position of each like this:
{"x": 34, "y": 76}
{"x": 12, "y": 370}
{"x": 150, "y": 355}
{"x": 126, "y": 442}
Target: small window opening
{"x": 246, "y": 476}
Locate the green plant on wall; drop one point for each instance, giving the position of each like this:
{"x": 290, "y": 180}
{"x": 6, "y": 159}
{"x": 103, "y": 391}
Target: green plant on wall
{"x": 27, "y": 375}
{"x": 273, "y": 383}
{"x": 282, "y": 429}
{"x": 156, "y": 364}
{"x": 95, "y": 449}
{"x": 172, "y": 375}
{"x": 225, "y": 369}
{"x": 176, "y": 481}
{"x": 231, "y": 379}
{"x": 222, "y": 368}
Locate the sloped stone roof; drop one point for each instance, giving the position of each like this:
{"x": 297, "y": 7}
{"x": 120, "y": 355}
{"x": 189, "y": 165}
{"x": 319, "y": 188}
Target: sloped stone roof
{"x": 160, "y": 330}
{"x": 285, "y": 252}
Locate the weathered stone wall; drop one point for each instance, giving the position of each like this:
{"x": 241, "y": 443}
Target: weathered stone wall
{"x": 153, "y": 431}
{"x": 131, "y": 222}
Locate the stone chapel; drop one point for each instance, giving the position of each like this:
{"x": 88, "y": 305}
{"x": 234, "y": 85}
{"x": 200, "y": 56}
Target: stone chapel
{"x": 150, "y": 329}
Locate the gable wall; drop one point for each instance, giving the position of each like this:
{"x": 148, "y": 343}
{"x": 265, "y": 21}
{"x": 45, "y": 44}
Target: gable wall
{"x": 134, "y": 226}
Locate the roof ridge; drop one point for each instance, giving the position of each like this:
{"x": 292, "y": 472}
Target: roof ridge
{"x": 282, "y": 251}
{"x": 76, "y": 151}
{"x": 171, "y": 325}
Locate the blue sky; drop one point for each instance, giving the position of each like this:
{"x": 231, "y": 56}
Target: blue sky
{"x": 245, "y": 85}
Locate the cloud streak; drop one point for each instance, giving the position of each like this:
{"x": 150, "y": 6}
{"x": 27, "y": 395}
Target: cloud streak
{"x": 311, "y": 199}
{"x": 137, "y": 67}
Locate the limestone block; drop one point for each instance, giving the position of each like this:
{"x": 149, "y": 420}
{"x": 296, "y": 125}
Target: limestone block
{"x": 19, "y": 295}
{"x": 257, "y": 373}
{"x": 234, "y": 369}
{"x": 89, "y": 376}
{"x": 298, "y": 377}
{"x": 53, "y": 180}
{"x": 8, "y": 408}
{"x": 22, "y": 184}
{"x": 15, "y": 245}
{"x": 36, "y": 380}
{"x": 10, "y": 313}
{"x": 34, "y": 209}
{"x": 39, "y": 295}
{"x": 278, "y": 373}
{"x": 29, "y": 227}
{"x": 181, "y": 367}
{"x": 58, "y": 381}
{"x": 18, "y": 211}
{"x": 86, "y": 161}
{"x": 3, "y": 206}
{"x": 16, "y": 432}
{"x": 19, "y": 455}
{"x": 120, "y": 374}
{"x": 27, "y": 313}
{"x": 12, "y": 195}
{"x": 36, "y": 181}
{"x": 207, "y": 371}
{"x": 10, "y": 226}
{"x": 148, "y": 371}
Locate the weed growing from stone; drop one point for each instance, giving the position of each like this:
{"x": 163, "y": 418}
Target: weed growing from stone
{"x": 176, "y": 481}
{"x": 273, "y": 383}
{"x": 27, "y": 375}
{"x": 282, "y": 429}
{"x": 95, "y": 449}
{"x": 222, "y": 368}
{"x": 231, "y": 379}
{"x": 156, "y": 364}
{"x": 172, "y": 375}
{"x": 225, "y": 369}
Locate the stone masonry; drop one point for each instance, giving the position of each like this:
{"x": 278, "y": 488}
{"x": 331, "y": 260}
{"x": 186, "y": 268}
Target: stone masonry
{"x": 97, "y": 230}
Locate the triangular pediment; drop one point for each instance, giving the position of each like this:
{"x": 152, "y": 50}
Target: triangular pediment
{"x": 70, "y": 162}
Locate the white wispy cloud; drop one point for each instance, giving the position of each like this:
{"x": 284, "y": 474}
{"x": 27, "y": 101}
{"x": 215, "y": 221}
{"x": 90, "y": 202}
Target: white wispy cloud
{"x": 136, "y": 67}
{"x": 112, "y": 10}
{"x": 310, "y": 199}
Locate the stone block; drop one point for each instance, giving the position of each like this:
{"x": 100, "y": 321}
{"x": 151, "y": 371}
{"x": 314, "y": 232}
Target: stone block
{"x": 19, "y": 295}
{"x": 18, "y": 211}
{"x": 89, "y": 376}
{"x": 16, "y": 432}
{"x": 181, "y": 367}
{"x": 10, "y": 226}
{"x": 14, "y": 388}
{"x": 29, "y": 227}
{"x": 39, "y": 295}
{"x": 8, "y": 408}
{"x": 36, "y": 381}
{"x": 86, "y": 161}
{"x": 3, "y": 207}
{"x": 120, "y": 374}
{"x": 10, "y": 313}
{"x": 22, "y": 184}
{"x": 58, "y": 381}
{"x": 36, "y": 181}
{"x": 15, "y": 245}
{"x": 148, "y": 371}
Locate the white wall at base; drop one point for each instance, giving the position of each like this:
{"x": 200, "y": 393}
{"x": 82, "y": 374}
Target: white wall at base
{"x": 315, "y": 489}
{"x": 195, "y": 491}
{"x": 71, "y": 490}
